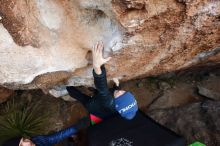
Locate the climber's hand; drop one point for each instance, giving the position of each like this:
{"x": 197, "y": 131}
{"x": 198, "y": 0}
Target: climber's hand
{"x": 116, "y": 81}
{"x": 98, "y": 59}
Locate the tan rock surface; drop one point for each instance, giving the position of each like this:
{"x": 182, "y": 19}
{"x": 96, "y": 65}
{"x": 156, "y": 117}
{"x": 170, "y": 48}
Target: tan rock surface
{"x": 5, "y": 94}
{"x": 47, "y": 42}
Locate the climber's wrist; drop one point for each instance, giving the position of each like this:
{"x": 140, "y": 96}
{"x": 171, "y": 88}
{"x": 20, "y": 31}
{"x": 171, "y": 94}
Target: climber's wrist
{"x": 97, "y": 70}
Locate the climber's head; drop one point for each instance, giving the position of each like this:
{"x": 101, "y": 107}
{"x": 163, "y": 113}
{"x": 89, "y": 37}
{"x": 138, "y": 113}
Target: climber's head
{"x": 19, "y": 142}
{"x": 118, "y": 93}
{"x": 125, "y": 104}
{"x": 26, "y": 142}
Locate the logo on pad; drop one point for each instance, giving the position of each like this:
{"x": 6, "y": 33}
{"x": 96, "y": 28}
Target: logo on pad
{"x": 121, "y": 142}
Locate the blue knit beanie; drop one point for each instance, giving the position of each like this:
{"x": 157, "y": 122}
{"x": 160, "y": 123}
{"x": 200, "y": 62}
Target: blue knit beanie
{"x": 126, "y": 105}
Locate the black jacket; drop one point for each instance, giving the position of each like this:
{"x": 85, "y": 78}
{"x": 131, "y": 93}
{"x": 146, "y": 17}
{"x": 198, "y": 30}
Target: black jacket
{"x": 102, "y": 103}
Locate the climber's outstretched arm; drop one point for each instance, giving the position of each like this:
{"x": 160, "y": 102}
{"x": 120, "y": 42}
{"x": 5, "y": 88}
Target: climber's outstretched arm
{"x": 99, "y": 71}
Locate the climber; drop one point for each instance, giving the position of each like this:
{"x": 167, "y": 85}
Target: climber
{"x": 48, "y": 140}
{"x": 105, "y": 104}
{"x": 119, "y": 120}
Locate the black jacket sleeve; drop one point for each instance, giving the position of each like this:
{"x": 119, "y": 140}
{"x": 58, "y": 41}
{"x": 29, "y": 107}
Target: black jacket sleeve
{"x": 104, "y": 95}
{"x": 101, "y": 82}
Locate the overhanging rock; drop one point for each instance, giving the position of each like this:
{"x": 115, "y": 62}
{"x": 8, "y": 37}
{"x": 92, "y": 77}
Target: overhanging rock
{"x": 47, "y": 42}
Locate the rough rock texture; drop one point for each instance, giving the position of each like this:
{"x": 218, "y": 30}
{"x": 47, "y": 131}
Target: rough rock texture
{"x": 180, "y": 95}
{"x": 210, "y": 88}
{"x": 174, "y": 89}
{"x": 45, "y": 42}
{"x": 5, "y": 94}
{"x": 196, "y": 122}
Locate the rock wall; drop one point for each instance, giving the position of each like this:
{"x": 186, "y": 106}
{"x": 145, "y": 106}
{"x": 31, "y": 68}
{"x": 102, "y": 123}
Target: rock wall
{"x": 48, "y": 42}
{"x": 196, "y": 122}
{"x": 5, "y": 94}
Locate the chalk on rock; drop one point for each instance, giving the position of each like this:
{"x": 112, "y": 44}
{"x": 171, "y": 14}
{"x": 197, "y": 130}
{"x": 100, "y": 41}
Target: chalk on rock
{"x": 58, "y": 91}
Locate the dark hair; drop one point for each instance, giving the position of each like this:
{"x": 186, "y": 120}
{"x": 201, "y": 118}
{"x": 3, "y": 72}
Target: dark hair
{"x": 115, "y": 87}
{"x": 12, "y": 142}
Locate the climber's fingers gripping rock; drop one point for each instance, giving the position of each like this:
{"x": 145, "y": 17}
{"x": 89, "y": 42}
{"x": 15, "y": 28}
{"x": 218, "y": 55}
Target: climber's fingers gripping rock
{"x": 98, "y": 59}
